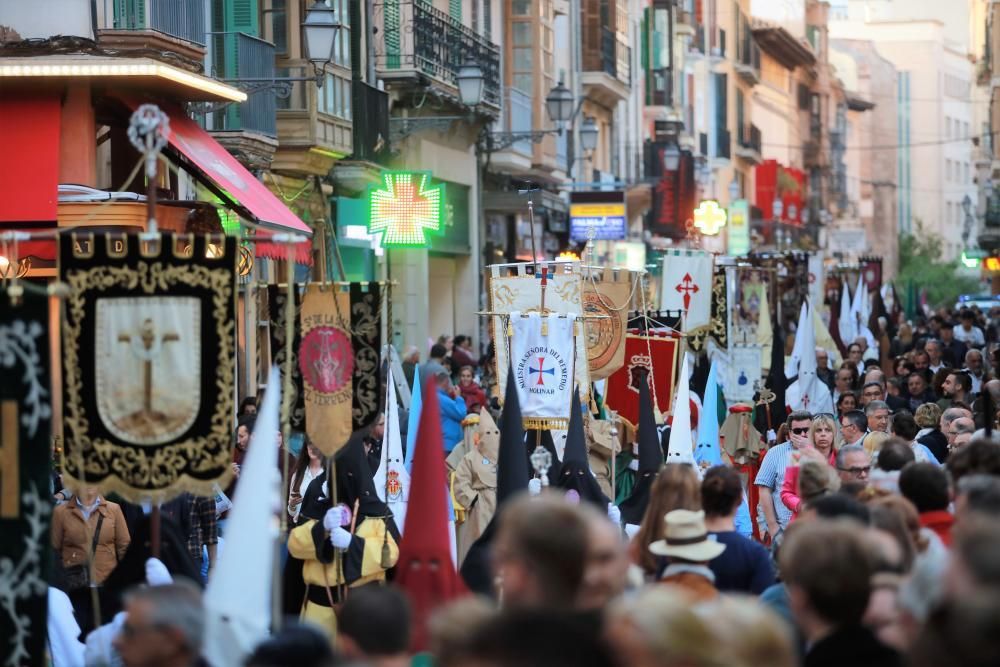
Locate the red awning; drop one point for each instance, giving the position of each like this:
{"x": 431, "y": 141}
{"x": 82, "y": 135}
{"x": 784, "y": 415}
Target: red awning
{"x": 29, "y": 168}
{"x": 209, "y": 160}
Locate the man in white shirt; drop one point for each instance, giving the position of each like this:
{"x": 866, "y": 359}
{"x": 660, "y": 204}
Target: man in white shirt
{"x": 974, "y": 367}
{"x": 969, "y": 333}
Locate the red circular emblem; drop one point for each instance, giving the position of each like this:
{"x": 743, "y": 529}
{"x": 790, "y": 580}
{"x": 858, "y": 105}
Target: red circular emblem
{"x": 326, "y": 359}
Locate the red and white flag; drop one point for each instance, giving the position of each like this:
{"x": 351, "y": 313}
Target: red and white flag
{"x": 687, "y": 286}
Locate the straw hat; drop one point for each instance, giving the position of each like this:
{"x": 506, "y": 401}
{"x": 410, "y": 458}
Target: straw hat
{"x": 687, "y": 538}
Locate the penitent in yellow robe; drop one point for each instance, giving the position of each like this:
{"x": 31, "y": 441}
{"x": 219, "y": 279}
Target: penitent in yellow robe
{"x": 360, "y": 564}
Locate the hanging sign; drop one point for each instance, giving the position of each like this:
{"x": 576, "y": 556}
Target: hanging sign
{"x": 597, "y": 215}
{"x": 738, "y": 229}
{"x": 404, "y": 207}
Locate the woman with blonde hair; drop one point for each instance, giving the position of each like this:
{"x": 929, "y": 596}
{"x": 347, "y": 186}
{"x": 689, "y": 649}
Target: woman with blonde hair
{"x": 819, "y": 477}
{"x": 676, "y": 487}
{"x": 873, "y": 442}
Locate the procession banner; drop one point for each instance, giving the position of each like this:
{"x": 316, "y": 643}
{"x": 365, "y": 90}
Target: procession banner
{"x": 606, "y": 295}
{"x": 656, "y": 353}
{"x": 148, "y": 363}
{"x": 541, "y": 352}
{"x": 366, "y": 341}
{"x": 277, "y": 309}
{"x": 686, "y": 285}
{"x": 817, "y": 278}
{"x": 25, "y": 495}
{"x": 518, "y": 287}
{"x": 743, "y": 373}
{"x": 326, "y": 361}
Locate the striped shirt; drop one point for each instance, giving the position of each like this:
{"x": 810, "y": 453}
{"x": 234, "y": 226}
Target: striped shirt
{"x": 772, "y": 475}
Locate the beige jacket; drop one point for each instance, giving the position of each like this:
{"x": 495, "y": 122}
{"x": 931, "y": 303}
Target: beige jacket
{"x": 72, "y": 536}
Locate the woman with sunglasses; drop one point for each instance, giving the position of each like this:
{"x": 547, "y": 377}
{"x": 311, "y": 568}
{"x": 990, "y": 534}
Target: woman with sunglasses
{"x": 822, "y": 433}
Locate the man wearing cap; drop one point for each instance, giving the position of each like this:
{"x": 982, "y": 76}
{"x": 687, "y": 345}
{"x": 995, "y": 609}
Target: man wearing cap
{"x": 687, "y": 544}
{"x": 452, "y": 405}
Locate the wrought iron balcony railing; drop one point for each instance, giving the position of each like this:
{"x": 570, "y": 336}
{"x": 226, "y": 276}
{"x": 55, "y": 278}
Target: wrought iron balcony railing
{"x": 237, "y": 55}
{"x": 415, "y": 37}
{"x": 179, "y": 18}
{"x": 748, "y": 137}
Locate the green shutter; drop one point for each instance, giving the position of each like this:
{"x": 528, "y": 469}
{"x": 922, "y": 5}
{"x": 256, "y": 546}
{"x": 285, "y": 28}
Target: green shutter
{"x": 242, "y": 16}
{"x": 455, "y": 9}
{"x": 130, "y": 14}
{"x": 238, "y": 16}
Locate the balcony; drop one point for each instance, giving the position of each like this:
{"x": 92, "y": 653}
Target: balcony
{"x": 684, "y": 23}
{"x": 659, "y": 88}
{"x": 248, "y": 130}
{"x": 174, "y": 28}
{"x": 371, "y": 138}
{"x": 748, "y": 143}
{"x": 314, "y": 124}
{"x": 748, "y": 61}
{"x": 420, "y": 45}
{"x": 515, "y": 116}
{"x": 607, "y": 70}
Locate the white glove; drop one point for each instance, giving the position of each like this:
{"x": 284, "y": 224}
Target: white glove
{"x": 156, "y": 573}
{"x": 614, "y": 514}
{"x": 534, "y": 486}
{"x": 340, "y": 538}
{"x": 336, "y": 516}
{"x": 634, "y": 465}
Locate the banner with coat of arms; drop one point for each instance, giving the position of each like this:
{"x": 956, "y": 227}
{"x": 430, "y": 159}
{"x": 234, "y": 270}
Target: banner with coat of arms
{"x": 148, "y": 363}
{"x": 518, "y": 287}
{"x": 607, "y": 294}
{"x": 541, "y": 352}
{"x": 25, "y": 493}
{"x": 326, "y": 363}
{"x": 686, "y": 285}
{"x": 655, "y": 353}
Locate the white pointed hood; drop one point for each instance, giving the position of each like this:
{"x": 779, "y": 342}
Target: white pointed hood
{"x": 681, "y": 446}
{"x": 238, "y": 596}
{"x": 808, "y": 392}
{"x": 392, "y": 481}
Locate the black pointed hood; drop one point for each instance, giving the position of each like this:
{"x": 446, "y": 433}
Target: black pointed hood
{"x": 574, "y": 472}
{"x": 512, "y": 464}
{"x": 512, "y": 478}
{"x": 650, "y": 457}
{"x": 776, "y": 382}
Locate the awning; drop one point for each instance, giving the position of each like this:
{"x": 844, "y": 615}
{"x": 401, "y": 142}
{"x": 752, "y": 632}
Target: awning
{"x": 221, "y": 172}
{"x": 29, "y": 168}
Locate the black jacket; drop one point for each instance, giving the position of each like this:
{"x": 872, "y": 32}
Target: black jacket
{"x": 853, "y": 646}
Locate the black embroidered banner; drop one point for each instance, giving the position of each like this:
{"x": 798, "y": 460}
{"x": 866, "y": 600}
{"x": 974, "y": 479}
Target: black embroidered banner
{"x": 276, "y": 303}
{"x": 366, "y": 339}
{"x": 148, "y": 362}
{"x": 25, "y": 494}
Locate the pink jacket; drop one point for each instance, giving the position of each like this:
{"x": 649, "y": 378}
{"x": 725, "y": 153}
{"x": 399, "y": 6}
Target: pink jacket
{"x": 790, "y": 487}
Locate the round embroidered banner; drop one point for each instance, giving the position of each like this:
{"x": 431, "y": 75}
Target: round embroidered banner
{"x": 326, "y": 359}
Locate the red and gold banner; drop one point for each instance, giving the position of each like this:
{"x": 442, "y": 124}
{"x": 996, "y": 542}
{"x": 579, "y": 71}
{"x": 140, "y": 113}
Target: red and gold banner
{"x": 326, "y": 361}
{"x": 607, "y": 294}
{"x": 656, "y": 352}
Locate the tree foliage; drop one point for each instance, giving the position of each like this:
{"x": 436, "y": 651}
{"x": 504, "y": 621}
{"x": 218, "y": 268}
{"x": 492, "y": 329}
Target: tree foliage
{"x": 921, "y": 263}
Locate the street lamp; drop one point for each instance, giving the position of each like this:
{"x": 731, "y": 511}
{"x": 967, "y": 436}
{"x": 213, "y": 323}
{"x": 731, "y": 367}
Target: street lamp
{"x": 588, "y": 134}
{"x": 672, "y": 149}
{"x": 471, "y": 82}
{"x": 320, "y": 28}
{"x": 559, "y": 103}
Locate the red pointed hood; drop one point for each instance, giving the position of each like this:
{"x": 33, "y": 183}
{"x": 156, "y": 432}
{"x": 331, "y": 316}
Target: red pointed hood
{"x": 425, "y": 571}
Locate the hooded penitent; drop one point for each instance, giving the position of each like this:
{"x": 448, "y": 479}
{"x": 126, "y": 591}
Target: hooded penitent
{"x": 475, "y": 483}
{"x": 425, "y": 571}
{"x": 373, "y": 546}
{"x": 650, "y": 458}
{"x": 512, "y": 478}
{"x": 707, "y": 452}
{"x": 574, "y": 473}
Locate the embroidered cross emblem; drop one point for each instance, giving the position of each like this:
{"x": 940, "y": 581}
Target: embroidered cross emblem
{"x": 543, "y": 275}
{"x": 687, "y": 287}
{"x": 541, "y": 371}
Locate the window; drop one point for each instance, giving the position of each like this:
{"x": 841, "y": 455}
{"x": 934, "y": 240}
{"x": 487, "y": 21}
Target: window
{"x": 947, "y": 127}
{"x": 335, "y": 97}
{"x": 965, "y": 173}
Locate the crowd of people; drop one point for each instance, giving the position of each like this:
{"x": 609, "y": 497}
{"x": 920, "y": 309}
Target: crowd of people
{"x": 874, "y": 540}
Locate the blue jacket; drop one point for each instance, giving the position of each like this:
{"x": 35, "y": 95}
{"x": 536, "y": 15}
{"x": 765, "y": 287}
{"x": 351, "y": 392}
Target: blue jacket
{"x": 452, "y": 413}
